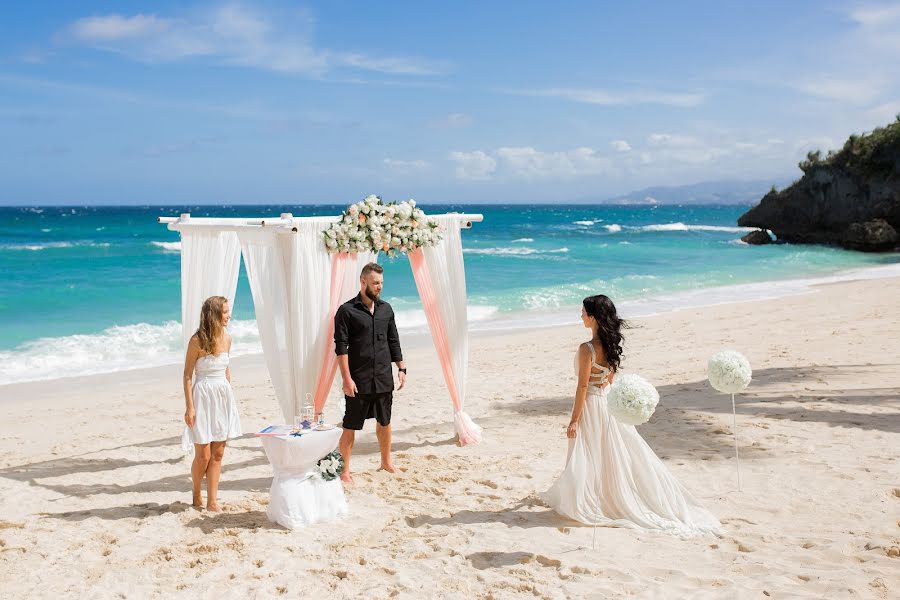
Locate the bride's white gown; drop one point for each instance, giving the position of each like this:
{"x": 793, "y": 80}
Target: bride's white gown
{"x": 613, "y": 478}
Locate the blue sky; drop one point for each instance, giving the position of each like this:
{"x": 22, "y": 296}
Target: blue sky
{"x": 128, "y": 102}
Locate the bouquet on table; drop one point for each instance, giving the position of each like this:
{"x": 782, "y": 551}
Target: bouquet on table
{"x": 331, "y": 466}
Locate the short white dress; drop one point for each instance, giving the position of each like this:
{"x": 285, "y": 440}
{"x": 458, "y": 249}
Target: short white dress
{"x": 217, "y": 418}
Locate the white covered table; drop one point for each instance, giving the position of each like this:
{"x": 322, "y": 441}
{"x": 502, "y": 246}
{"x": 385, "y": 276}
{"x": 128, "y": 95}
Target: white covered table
{"x": 298, "y": 496}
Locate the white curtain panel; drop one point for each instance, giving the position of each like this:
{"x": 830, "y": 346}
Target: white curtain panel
{"x": 290, "y": 277}
{"x": 448, "y": 278}
{"x": 268, "y": 258}
{"x": 310, "y": 281}
{"x": 310, "y": 293}
{"x": 210, "y": 261}
{"x": 447, "y": 272}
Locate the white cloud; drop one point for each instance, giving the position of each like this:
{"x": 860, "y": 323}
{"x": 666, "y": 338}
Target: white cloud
{"x": 668, "y": 139}
{"x": 823, "y": 143}
{"x": 233, "y": 35}
{"x": 406, "y": 165}
{"x": 876, "y": 16}
{"x": 526, "y": 162}
{"x": 117, "y": 27}
{"x": 886, "y": 112}
{"x": 473, "y": 165}
{"x": 454, "y": 121}
{"x": 852, "y": 90}
{"x": 612, "y": 98}
{"x": 620, "y": 146}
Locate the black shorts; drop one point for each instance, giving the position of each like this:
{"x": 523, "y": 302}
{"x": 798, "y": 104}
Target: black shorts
{"x": 367, "y": 406}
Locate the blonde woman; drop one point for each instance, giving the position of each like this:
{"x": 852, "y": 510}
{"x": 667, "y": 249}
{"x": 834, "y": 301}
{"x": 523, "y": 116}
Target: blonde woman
{"x": 211, "y": 413}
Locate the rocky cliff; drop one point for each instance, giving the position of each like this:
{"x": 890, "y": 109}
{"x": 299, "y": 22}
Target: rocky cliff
{"x": 850, "y": 198}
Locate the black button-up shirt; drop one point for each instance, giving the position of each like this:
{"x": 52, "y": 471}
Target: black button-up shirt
{"x": 371, "y": 343}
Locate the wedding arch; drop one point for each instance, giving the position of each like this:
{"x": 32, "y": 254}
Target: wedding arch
{"x": 301, "y": 269}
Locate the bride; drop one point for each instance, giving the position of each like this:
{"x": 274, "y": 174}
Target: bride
{"x": 612, "y": 477}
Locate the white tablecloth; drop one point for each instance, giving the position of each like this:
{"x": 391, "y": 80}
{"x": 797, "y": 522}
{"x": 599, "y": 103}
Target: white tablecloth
{"x": 298, "y": 497}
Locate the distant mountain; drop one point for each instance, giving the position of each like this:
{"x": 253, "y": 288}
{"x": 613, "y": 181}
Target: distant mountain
{"x": 706, "y": 192}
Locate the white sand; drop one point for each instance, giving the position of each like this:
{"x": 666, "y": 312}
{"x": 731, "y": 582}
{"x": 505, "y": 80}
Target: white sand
{"x": 94, "y": 490}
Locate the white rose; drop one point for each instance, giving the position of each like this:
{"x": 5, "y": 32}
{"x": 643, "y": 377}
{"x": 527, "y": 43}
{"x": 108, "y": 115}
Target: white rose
{"x": 405, "y": 211}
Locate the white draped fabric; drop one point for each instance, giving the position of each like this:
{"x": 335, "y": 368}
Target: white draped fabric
{"x": 210, "y": 261}
{"x": 310, "y": 303}
{"x": 269, "y": 260}
{"x": 345, "y": 275}
{"x": 294, "y": 298}
{"x": 448, "y": 277}
{"x": 442, "y": 285}
{"x": 298, "y": 496}
{"x": 290, "y": 277}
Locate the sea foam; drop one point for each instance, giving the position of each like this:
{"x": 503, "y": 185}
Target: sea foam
{"x": 168, "y": 246}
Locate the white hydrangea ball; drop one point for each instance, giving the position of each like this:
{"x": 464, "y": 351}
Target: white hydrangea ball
{"x": 632, "y": 399}
{"x": 729, "y": 371}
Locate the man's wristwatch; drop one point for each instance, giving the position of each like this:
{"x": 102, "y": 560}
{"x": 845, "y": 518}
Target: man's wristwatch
{"x": 403, "y": 370}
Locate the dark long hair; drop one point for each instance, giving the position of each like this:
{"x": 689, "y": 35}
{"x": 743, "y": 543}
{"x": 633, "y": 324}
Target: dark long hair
{"x": 610, "y": 327}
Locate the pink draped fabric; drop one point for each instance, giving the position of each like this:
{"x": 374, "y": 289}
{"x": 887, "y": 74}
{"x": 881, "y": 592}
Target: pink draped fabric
{"x": 339, "y": 264}
{"x": 468, "y": 432}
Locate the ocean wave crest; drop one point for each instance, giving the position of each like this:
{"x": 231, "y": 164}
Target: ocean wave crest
{"x": 127, "y": 347}
{"x": 685, "y": 227}
{"x": 168, "y": 246}
{"x": 54, "y": 245}
{"x": 118, "y": 348}
{"x": 513, "y": 251}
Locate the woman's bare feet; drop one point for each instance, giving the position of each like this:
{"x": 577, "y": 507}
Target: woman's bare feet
{"x": 347, "y": 478}
{"x": 197, "y": 502}
{"x": 213, "y": 507}
{"x": 389, "y": 467}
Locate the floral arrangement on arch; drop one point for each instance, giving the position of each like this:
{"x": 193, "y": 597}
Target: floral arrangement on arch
{"x": 372, "y": 225}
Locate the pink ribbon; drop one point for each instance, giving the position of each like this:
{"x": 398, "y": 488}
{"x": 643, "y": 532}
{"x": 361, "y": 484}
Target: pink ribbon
{"x": 435, "y": 320}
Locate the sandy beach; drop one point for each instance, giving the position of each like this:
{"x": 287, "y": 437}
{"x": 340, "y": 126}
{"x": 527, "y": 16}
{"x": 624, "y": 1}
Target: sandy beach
{"x": 95, "y": 491}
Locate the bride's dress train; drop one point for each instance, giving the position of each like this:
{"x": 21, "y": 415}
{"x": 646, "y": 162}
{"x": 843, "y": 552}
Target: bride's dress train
{"x": 613, "y": 478}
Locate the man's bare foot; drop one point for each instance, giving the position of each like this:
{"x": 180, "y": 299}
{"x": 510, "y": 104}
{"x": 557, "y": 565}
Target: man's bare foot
{"x": 389, "y": 467}
{"x": 347, "y": 477}
{"x": 214, "y": 508}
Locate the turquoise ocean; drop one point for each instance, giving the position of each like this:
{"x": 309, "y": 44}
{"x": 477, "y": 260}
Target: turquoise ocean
{"x": 97, "y": 289}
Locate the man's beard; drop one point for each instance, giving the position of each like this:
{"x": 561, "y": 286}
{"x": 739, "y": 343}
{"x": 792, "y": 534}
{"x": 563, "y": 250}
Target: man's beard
{"x": 371, "y": 294}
